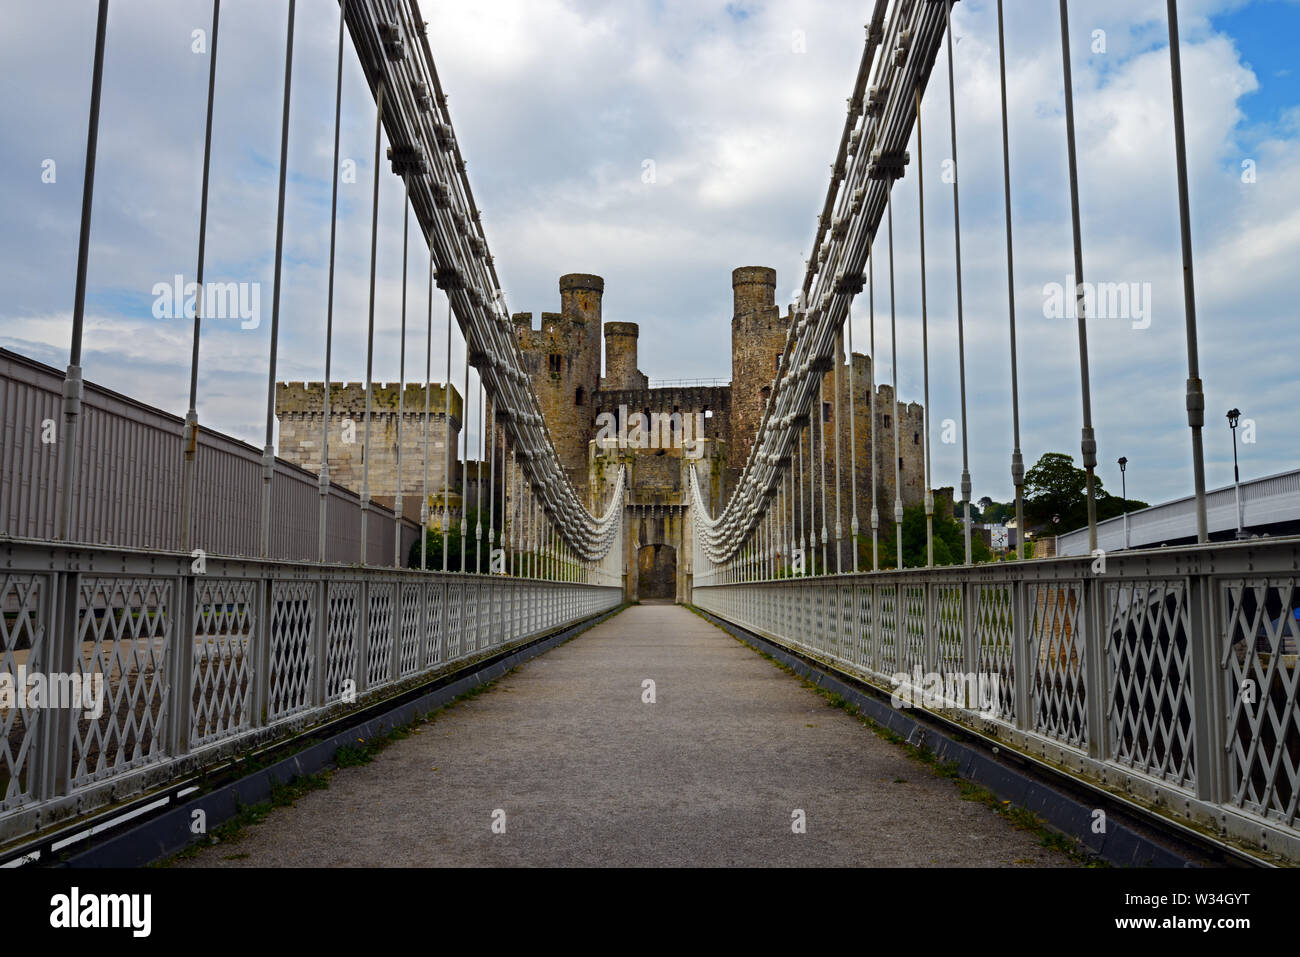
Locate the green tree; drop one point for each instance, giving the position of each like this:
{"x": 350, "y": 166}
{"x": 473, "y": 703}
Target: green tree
{"x": 433, "y": 538}
{"x": 1054, "y": 487}
{"x": 999, "y": 512}
{"x": 949, "y": 543}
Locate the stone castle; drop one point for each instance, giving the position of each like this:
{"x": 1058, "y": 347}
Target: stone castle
{"x": 299, "y": 407}
{"x": 583, "y": 408}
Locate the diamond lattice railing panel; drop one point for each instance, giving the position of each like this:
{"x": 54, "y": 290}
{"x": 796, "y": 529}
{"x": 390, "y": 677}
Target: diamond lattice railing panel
{"x": 343, "y": 608}
{"x": 913, "y": 650}
{"x": 452, "y": 618}
{"x": 867, "y": 627}
{"x": 293, "y": 641}
{"x": 803, "y": 615}
{"x": 469, "y": 617}
{"x": 1261, "y": 628}
{"x": 949, "y": 625}
{"x": 830, "y": 632}
{"x": 508, "y": 625}
{"x": 518, "y": 614}
{"x": 816, "y": 634}
{"x": 517, "y": 627}
{"x": 848, "y": 649}
{"x": 412, "y": 619}
{"x": 221, "y": 679}
{"x": 1057, "y": 645}
{"x": 494, "y": 591}
{"x": 804, "y": 611}
{"x": 827, "y": 620}
{"x": 379, "y": 663}
{"x": 433, "y": 635}
{"x": 1148, "y": 660}
{"x": 887, "y": 596}
{"x": 124, "y": 627}
{"x": 23, "y": 642}
{"x": 994, "y": 624}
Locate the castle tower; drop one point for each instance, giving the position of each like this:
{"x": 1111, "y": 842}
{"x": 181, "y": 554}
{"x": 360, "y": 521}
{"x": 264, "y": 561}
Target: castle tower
{"x": 580, "y": 301}
{"x": 563, "y": 362}
{"x": 620, "y": 357}
{"x": 757, "y": 338}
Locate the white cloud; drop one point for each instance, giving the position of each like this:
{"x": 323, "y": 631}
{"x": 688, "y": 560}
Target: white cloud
{"x": 557, "y": 104}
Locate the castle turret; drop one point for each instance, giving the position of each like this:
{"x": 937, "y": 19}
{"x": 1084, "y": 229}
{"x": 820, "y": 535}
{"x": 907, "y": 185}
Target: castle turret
{"x": 563, "y": 360}
{"x": 620, "y": 357}
{"x": 580, "y": 303}
{"x": 757, "y": 338}
{"x": 580, "y": 295}
{"x": 753, "y": 289}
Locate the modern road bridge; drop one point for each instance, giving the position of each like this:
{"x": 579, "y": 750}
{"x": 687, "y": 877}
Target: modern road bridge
{"x": 1269, "y": 505}
{"x": 1165, "y": 680}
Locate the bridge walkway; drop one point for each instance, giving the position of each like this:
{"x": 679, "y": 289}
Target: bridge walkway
{"x": 588, "y": 773}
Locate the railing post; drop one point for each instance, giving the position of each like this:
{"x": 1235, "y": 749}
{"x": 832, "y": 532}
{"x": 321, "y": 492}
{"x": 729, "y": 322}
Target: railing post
{"x": 1096, "y": 667}
{"x": 970, "y": 640}
{"x": 361, "y": 666}
{"x": 181, "y": 668}
{"x": 873, "y": 620}
{"x": 1207, "y": 705}
{"x": 262, "y": 653}
{"x": 442, "y": 621}
{"x": 900, "y": 623}
{"x": 320, "y": 640}
{"x": 422, "y": 645}
{"x": 53, "y": 773}
{"x": 395, "y": 631}
{"x": 931, "y": 644}
{"x": 1022, "y": 659}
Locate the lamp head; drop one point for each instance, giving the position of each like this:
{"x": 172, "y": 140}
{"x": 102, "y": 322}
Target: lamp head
{"x": 1234, "y": 415}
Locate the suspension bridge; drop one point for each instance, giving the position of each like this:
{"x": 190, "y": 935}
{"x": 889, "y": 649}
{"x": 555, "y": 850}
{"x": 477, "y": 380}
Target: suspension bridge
{"x": 242, "y": 611}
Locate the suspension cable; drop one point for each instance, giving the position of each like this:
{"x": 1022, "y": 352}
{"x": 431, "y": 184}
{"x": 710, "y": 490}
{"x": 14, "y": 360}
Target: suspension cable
{"x": 925, "y": 337}
{"x": 961, "y": 333}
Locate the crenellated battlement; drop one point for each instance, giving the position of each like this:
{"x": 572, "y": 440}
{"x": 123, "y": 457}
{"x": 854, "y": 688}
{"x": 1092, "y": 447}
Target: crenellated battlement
{"x": 349, "y": 399}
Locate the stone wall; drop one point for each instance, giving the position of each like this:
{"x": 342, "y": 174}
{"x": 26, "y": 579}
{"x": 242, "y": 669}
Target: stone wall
{"x": 299, "y": 408}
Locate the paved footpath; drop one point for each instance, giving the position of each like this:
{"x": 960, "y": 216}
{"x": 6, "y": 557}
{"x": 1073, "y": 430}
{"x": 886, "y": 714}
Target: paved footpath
{"x": 588, "y": 774}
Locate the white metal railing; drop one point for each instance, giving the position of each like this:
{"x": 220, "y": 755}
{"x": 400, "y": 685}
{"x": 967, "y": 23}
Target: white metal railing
{"x": 1171, "y": 676}
{"x": 197, "y": 666}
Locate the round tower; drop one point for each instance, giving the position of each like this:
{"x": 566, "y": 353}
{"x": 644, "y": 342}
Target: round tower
{"x": 620, "y": 355}
{"x": 757, "y": 338}
{"x": 580, "y": 303}
{"x": 753, "y": 289}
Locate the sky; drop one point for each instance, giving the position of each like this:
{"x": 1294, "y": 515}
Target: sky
{"x": 562, "y": 106}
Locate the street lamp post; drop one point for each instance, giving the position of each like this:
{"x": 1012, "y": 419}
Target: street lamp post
{"x": 1234, "y": 416}
{"x": 1123, "y": 464}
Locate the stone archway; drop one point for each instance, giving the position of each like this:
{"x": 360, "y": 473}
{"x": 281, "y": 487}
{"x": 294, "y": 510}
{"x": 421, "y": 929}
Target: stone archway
{"x": 657, "y": 573}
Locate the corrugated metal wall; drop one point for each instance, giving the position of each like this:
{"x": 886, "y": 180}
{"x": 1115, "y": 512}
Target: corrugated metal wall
{"x": 128, "y": 491}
